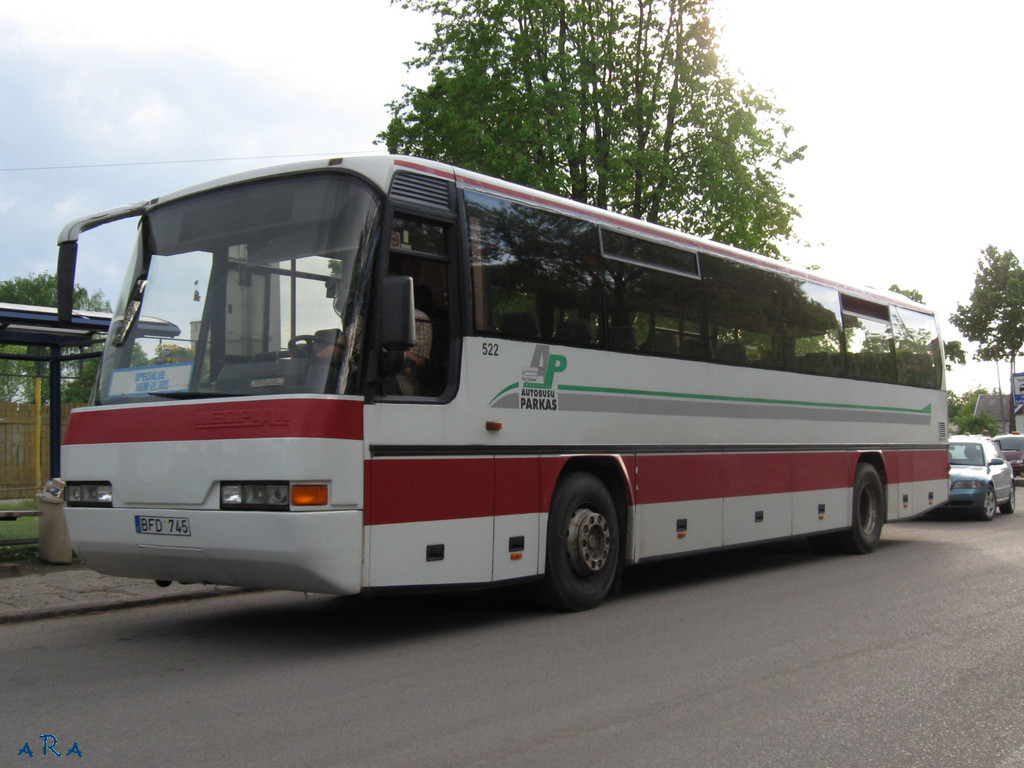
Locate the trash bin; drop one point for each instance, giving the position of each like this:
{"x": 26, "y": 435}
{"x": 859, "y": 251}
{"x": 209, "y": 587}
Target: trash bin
{"x": 54, "y": 543}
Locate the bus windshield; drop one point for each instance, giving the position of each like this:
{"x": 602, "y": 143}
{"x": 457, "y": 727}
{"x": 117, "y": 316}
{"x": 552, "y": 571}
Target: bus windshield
{"x": 253, "y": 289}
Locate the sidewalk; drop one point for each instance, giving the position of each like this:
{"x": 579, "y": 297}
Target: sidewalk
{"x": 35, "y": 590}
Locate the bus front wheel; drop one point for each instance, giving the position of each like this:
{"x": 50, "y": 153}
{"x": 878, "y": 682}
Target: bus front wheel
{"x": 582, "y": 544}
{"x": 868, "y": 513}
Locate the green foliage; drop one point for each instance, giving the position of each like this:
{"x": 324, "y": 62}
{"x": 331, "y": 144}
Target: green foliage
{"x": 955, "y": 353}
{"x": 169, "y": 354}
{"x": 18, "y": 377}
{"x": 994, "y": 319}
{"x": 623, "y": 104}
{"x": 961, "y": 414}
{"x": 41, "y": 291}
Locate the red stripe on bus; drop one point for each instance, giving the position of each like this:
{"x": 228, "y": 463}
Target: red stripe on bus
{"x": 450, "y": 488}
{"x": 416, "y": 490}
{"x": 690, "y": 477}
{"x": 919, "y": 465}
{"x": 237, "y": 420}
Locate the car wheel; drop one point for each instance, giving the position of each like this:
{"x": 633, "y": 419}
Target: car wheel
{"x": 988, "y": 511}
{"x": 1008, "y": 506}
{"x": 583, "y": 544}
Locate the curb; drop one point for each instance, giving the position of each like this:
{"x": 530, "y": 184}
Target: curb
{"x": 34, "y": 596}
{"x": 114, "y": 605}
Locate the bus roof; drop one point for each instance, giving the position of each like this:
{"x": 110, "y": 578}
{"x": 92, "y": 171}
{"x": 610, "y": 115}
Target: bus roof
{"x": 379, "y": 170}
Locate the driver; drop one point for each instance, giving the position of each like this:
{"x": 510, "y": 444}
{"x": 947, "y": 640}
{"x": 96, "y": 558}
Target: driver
{"x": 329, "y": 344}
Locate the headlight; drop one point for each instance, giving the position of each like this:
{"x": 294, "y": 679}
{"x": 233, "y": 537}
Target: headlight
{"x": 89, "y": 495}
{"x": 269, "y": 495}
{"x": 960, "y": 485}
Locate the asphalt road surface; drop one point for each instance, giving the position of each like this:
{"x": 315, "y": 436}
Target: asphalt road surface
{"x": 775, "y": 656}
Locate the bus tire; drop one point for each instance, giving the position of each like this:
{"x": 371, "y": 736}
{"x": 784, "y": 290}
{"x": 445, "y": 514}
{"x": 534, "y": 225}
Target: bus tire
{"x": 868, "y": 514}
{"x": 582, "y": 544}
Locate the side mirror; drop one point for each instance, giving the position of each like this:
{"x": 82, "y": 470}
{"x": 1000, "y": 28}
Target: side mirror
{"x": 67, "y": 258}
{"x": 398, "y": 316}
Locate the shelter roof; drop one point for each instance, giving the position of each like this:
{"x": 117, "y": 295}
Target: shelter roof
{"x": 25, "y": 324}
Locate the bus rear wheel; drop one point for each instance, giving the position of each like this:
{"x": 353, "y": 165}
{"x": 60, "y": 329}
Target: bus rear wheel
{"x": 582, "y": 544}
{"x": 868, "y": 513}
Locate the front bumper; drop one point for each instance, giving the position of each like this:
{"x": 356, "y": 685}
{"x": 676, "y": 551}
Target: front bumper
{"x": 317, "y": 551}
{"x": 972, "y": 499}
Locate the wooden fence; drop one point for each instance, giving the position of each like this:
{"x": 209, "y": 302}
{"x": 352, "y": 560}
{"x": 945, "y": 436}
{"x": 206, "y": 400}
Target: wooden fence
{"x": 25, "y": 448}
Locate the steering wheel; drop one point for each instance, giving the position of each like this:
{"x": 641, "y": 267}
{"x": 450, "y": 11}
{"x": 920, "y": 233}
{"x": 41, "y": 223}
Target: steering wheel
{"x": 301, "y": 346}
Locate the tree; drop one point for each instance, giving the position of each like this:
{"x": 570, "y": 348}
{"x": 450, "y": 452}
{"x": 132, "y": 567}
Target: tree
{"x": 994, "y": 319}
{"x": 962, "y": 415}
{"x": 41, "y": 291}
{"x": 623, "y": 104}
{"x": 17, "y": 377}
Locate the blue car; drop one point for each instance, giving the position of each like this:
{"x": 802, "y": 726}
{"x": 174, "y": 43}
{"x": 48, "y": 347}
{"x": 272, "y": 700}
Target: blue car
{"x": 980, "y": 479}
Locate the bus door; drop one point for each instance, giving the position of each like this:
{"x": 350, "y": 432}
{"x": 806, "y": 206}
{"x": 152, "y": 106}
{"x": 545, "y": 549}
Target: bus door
{"x": 430, "y": 501}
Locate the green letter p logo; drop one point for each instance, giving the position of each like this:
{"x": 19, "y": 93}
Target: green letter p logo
{"x": 556, "y": 364}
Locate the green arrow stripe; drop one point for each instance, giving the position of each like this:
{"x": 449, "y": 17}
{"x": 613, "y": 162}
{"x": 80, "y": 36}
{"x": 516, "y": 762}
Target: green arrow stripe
{"x": 727, "y": 399}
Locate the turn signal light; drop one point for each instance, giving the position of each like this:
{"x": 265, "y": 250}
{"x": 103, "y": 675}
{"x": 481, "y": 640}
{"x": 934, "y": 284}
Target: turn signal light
{"x": 309, "y": 495}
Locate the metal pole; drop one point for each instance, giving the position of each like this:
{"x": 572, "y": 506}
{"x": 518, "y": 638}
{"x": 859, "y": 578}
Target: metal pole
{"x": 55, "y": 411}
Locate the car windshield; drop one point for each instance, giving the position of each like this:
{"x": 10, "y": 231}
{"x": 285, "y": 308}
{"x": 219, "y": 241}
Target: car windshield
{"x": 252, "y": 289}
{"x": 966, "y": 455}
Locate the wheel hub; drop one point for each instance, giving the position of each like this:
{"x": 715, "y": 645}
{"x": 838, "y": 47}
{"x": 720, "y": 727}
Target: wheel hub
{"x": 588, "y": 541}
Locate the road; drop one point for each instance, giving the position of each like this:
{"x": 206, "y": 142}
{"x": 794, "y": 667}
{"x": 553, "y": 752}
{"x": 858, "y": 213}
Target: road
{"x": 776, "y": 656}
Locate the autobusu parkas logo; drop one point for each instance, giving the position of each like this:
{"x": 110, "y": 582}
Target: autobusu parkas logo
{"x": 538, "y": 392}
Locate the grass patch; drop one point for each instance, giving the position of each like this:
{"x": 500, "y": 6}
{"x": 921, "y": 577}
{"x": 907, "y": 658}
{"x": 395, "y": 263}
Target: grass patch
{"x": 19, "y": 552}
{"x": 19, "y": 505}
{"x": 21, "y": 528}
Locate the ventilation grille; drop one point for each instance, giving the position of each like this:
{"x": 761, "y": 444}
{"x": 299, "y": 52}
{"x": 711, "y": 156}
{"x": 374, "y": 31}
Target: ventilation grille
{"x": 424, "y": 190}
{"x": 943, "y": 431}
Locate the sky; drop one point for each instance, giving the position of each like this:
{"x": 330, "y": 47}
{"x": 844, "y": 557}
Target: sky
{"x": 911, "y": 113}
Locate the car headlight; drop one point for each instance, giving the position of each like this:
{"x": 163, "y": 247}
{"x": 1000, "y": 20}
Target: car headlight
{"x": 962, "y": 485}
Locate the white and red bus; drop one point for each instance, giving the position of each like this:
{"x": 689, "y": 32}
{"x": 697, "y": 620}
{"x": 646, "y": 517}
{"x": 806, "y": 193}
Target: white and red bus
{"x": 385, "y": 373}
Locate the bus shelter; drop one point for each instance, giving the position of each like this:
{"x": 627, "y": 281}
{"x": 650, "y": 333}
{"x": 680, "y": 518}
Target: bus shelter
{"x": 61, "y": 341}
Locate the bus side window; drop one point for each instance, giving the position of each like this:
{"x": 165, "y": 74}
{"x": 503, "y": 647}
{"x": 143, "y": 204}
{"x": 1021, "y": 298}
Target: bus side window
{"x": 869, "y": 340}
{"x": 652, "y": 297}
{"x": 534, "y": 273}
{"x": 743, "y": 313}
{"x": 812, "y": 328}
{"x": 917, "y": 346}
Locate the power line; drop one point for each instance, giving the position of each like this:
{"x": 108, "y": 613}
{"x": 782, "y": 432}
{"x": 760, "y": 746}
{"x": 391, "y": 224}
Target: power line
{"x": 163, "y": 162}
